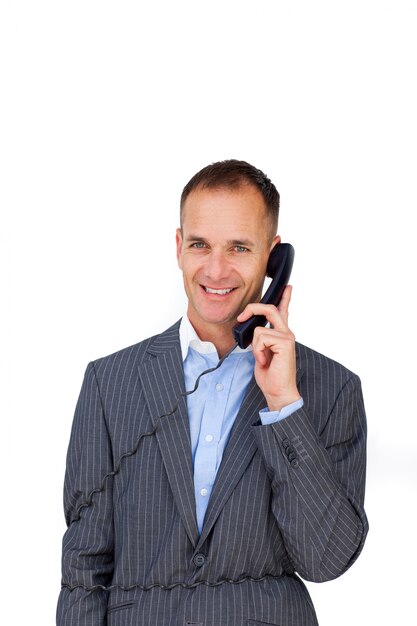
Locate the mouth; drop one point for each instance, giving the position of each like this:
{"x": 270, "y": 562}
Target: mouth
{"x": 218, "y": 292}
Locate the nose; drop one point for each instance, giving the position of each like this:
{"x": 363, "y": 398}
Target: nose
{"x": 216, "y": 267}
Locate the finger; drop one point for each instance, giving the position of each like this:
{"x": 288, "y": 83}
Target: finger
{"x": 285, "y": 302}
{"x": 270, "y": 311}
{"x": 272, "y": 339}
{"x": 265, "y": 343}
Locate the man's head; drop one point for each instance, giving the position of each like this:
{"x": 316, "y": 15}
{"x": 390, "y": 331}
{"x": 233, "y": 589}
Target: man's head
{"x": 229, "y": 214}
{"x": 231, "y": 174}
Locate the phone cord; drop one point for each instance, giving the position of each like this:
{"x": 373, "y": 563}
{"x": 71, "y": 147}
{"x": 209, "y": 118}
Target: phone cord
{"x": 88, "y": 501}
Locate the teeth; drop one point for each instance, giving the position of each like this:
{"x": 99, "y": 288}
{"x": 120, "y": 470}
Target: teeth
{"x": 222, "y": 292}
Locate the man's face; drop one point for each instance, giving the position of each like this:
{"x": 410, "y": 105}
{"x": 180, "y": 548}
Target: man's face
{"x": 222, "y": 250}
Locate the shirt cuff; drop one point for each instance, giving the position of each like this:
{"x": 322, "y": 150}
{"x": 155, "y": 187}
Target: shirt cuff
{"x": 270, "y": 417}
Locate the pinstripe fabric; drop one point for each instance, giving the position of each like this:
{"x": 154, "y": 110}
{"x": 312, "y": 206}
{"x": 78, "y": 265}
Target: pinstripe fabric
{"x": 288, "y": 498}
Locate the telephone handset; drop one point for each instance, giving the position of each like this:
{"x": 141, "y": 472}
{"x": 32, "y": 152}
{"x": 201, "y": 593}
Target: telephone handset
{"x": 279, "y": 268}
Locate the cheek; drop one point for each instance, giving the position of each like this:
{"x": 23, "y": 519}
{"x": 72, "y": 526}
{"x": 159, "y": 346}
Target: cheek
{"x": 255, "y": 282}
{"x": 254, "y": 274}
{"x": 188, "y": 265}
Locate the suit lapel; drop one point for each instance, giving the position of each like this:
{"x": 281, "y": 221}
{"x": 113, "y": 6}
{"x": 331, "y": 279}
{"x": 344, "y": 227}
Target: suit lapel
{"x": 162, "y": 381}
{"x": 162, "y": 378}
{"x": 237, "y": 455}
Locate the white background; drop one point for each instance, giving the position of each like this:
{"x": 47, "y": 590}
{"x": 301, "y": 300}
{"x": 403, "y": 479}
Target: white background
{"x": 107, "y": 109}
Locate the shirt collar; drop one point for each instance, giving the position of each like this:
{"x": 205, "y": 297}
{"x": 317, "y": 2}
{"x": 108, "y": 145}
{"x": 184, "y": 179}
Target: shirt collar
{"x": 190, "y": 339}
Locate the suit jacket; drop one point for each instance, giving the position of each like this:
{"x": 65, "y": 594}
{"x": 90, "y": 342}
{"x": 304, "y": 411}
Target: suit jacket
{"x": 287, "y": 500}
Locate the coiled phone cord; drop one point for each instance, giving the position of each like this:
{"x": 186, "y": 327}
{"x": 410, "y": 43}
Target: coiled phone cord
{"x": 88, "y": 502}
{"x": 131, "y": 452}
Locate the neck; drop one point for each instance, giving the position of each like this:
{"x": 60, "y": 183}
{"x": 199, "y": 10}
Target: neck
{"x": 218, "y": 334}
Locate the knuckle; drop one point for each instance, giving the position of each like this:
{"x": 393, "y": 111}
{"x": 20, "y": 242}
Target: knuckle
{"x": 256, "y": 332}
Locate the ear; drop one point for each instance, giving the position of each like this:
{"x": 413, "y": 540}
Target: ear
{"x": 276, "y": 239}
{"x": 178, "y": 241}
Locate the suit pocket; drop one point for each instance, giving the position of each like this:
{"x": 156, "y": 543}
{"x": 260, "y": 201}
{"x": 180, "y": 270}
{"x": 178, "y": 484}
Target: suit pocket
{"x": 255, "y": 622}
{"x": 119, "y": 607}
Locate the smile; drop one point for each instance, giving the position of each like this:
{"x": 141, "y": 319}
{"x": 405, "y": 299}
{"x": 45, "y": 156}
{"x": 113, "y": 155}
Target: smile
{"x": 220, "y": 292}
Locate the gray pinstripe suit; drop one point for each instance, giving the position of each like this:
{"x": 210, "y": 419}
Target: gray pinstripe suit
{"x": 288, "y": 498}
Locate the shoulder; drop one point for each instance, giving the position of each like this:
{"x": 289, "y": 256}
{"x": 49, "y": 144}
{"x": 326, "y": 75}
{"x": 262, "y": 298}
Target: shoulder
{"x": 132, "y": 356}
{"x": 318, "y": 368}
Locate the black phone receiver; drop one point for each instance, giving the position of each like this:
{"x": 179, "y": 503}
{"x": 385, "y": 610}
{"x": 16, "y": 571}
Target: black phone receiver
{"x": 279, "y": 268}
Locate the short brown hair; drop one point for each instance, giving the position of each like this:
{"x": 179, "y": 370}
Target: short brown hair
{"x": 232, "y": 174}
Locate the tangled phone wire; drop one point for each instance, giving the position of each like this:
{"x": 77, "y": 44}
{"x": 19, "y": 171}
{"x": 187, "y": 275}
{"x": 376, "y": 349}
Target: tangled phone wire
{"x": 129, "y": 453}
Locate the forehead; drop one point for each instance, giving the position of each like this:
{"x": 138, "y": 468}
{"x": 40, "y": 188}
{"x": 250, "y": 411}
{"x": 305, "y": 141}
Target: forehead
{"x": 241, "y": 209}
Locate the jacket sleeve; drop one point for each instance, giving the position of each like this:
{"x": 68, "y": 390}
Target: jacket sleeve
{"x": 318, "y": 484}
{"x": 87, "y": 554}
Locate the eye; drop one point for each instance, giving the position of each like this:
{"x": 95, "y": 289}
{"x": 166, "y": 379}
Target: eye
{"x": 241, "y": 249}
{"x": 199, "y": 245}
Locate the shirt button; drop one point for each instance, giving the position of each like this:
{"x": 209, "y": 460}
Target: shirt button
{"x": 209, "y": 438}
{"x": 219, "y": 387}
{"x": 204, "y": 492}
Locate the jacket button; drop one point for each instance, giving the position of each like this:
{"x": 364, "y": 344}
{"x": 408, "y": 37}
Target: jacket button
{"x": 199, "y": 559}
{"x": 294, "y": 463}
{"x": 286, "y": 443}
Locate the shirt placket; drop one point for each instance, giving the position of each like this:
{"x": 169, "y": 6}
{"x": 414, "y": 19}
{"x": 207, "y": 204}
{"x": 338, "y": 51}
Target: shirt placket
{"x": 210, "y": 433}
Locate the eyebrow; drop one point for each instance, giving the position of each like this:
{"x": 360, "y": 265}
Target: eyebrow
{"x": 231, "y": 242}
{"x": 241, "y": 242}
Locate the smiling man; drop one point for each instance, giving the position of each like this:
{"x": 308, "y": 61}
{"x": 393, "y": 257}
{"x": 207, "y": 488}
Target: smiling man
{"x": 222, "y": 249}
{"x": 208, "y": 510}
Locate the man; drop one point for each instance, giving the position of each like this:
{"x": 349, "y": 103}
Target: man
{"x": 202, "y": 509}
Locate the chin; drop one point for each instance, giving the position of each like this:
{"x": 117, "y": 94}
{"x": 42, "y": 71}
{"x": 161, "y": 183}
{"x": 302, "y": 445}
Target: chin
{"x": 221, "y": 319}
{"x": 211, "y": 317}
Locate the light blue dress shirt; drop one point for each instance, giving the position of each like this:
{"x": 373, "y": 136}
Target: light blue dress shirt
{"x": 213, "y": 407}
